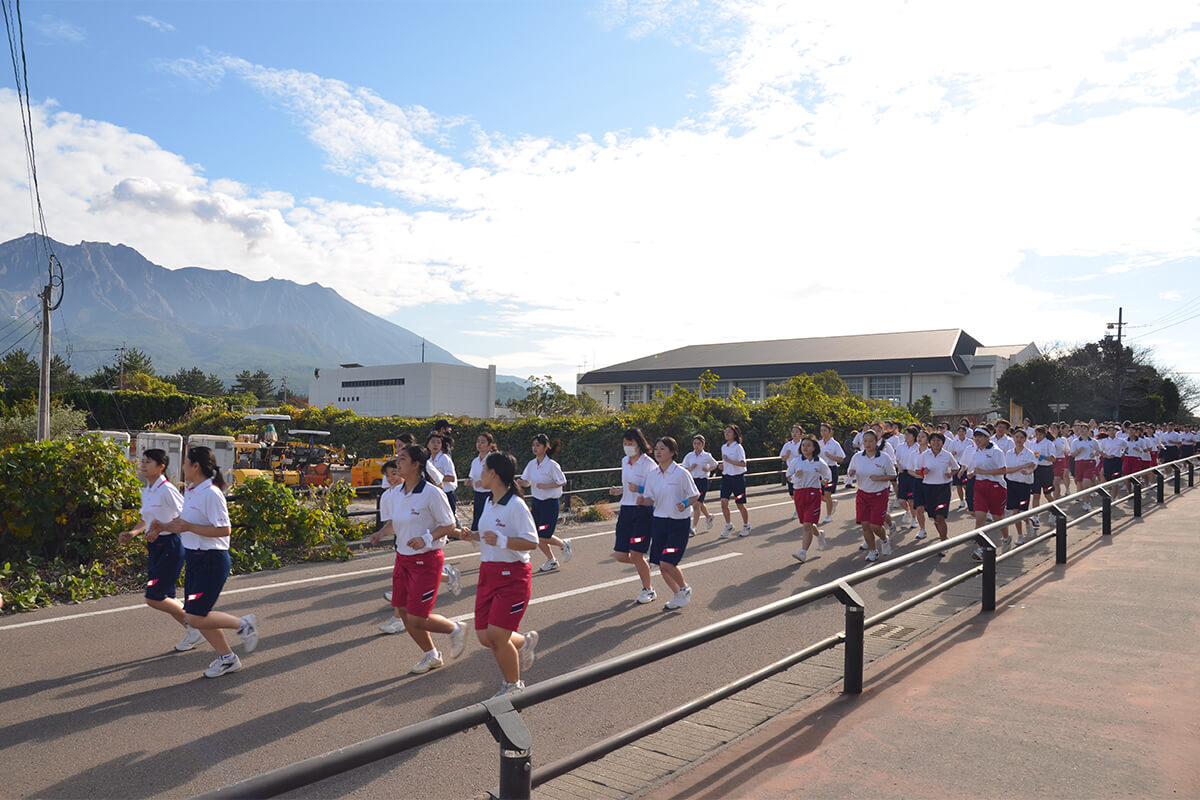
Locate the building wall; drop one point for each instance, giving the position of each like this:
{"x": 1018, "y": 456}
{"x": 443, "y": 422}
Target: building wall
{"x": 427, "y": 390}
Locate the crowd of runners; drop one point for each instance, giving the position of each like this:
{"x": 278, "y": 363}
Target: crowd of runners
{"x": 993, "y": 469}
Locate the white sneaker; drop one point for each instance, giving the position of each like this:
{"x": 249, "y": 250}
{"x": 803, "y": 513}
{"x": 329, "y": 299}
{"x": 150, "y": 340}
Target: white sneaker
{"x": 872, "y": 555}
{"x": 526, "y": 654}
{"x": 454, "y": 580}
{"x": 222, "y": 665}
{"x": 680, "y": 599}
{"x": 567, "y": 552}
{"x": 509, "y": 688}
{"x": 822, "y": 542}
{"x": 885, "y": 549}
{"x": 828, "y": 519}
{"x": 795, "y": 515}
{"x": 431, "y": 660}
{"x": 1035, "y": 522}
{"x": 921, "y": 534}
{"x": 190, "y": 639}
{"x": 1020, "y": 538}
{"x": 727, "y": 530}
{"x": 393, "y": 625}
{"x": 835, "y": 505}
{"x": 691, "y": 531}
{"x": 978, "y": 554}
{"x": 745, "y": 531}
{"x": 458, "y": 640}
{"x": 800, "y": 555}
{"x": 248, "y": 632}
{"x": 862, "y": 545}
{"x": 1005, "y": 543}
{"x": 708, "y": 523}
{"x": 549, "y": 566}
{"x": 1087, "y": 507}
{"x": 962, "y": 504}
{"x": 646, "y": 596}
{"x": 908, "y": 520}
{"x": 388, "y": 595}
{"x": 990, "y": 518}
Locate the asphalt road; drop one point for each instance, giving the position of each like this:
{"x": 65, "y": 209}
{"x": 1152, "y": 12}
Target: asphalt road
{"x": 95, "y": 704}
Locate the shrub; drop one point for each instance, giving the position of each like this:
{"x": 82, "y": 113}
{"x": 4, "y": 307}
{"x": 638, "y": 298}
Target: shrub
{"x": 270, "y": 521}
{"x": 598, "y": 512}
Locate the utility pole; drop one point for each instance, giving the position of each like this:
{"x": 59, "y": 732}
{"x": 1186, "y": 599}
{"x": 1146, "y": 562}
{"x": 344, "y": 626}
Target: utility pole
{"x": 43, "y": 424}
{"x": 1120, "y": 326}
{"x": 121, "y": 367}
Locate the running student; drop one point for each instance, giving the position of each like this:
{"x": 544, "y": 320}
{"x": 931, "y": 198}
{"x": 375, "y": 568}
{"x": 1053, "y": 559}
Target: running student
{"x": 937, "y": 466}
{"x": 989, "y": 465}
{"x": 733, "y": 479}
{"x": 669, "y": 490}
{"x": 420, "y": 517}
{"x": 485, "y": 443}
{"x": 958, "y": 444}
{"x": 1086, "y": 452}
{"x": 873, "y": 471}
{"x": 906, "y": 458}
{"x": 546, "y": 480}
{"x": 1062, "y": 459}
{"x": 1043, "y": 474}
{"x": 203, "y": 526}
{"x": 699, "y": 463}
{"x": 832, "y": 455}
{"x": 1019, "y": 480}
{"x": 164, "y": 551}
{"x": 791, "y": 449}
{"x": 918, "y": 482}
{"x": 506, "y": 536}
{"x": 1112, "y": 449}
{"x": 808, "y": 475}
{"x": 439, "y": 446}
{"x": 634, "y": 521}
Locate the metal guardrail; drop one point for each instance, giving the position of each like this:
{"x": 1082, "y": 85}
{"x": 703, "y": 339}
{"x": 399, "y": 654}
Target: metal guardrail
{"x": 501, "y": 714}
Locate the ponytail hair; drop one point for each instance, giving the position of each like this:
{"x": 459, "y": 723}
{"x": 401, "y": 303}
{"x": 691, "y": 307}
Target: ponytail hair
{"x": 158, "y": 456}
{"x": 505, "y": 467}
{"x": 418, "y": 455}
{"x": 544, "y": 441}
{"x": 491, "y": 440}
{"x": 206, "y": 460}
{"x": 636, "y": 436}
{"x": 737, "y": 432}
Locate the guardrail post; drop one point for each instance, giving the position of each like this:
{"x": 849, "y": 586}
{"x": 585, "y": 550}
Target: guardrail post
{"x": 1191, "y": 473}
{"x": 852, "y": 676}
{"x": 1178, "y": 478}
{"x": 1106, "y": 511}
{"x": 1060, "y": 534}
{"x": 1160, "y": 481}
{"x": 516, "y": 748}
{"x": 1137, "y": 496}
{"x": 378, "y": 500}
{"x": 989, "y": 571}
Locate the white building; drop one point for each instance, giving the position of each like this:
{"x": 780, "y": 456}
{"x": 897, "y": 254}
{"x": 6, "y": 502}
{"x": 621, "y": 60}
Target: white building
{"x": 409, "y": 390}
{"x": 955, "y": 370}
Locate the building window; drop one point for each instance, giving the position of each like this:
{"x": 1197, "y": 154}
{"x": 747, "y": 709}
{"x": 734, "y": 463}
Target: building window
{"x": 855, "y": 385}
{"x": 664, "y": 389}
{"x": 885, "y": 388}
{"x": 753, "y": 389}
{"x": 720, "y": 390}
{"x": 632, "y": 393}
{"x": 691, "y": 386}
{"x": 377, "y": 382}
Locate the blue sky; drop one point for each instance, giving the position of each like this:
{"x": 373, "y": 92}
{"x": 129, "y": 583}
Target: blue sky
{"x": 544, "y": 185}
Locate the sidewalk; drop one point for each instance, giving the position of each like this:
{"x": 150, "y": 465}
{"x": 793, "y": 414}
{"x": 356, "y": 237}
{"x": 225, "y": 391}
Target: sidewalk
{"x": 1083, "y": 684}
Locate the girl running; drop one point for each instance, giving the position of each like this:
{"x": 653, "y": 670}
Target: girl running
{"x": 791, "y": 449}
{"x": 699, "y": 463}
{"x": 873, "y": 472}
{"x": 833, "y": 455}
{"x": 485, "y": 444}
{"x": 506, "y": 537}
{"x": 808, "y": 475}
{"x": 733, "y": 479}
{"x": 669, "y": 490}
{"x": 203, "y": 526}
{"x": 420, "y": 518}
{"x": 1112, "y": 451}
{"x": 546, "y": 479}
{"x": 989, "y": 466}
{"x": 164, "y": 551}
{"x": 1019, "y": 480}
{"x": 906, "y": 452}
{"x": 439, "y": 446}
{"x": 918, "y": 482}
{"x": 1087, "y": 455}
{"x": 634, "y": 535}
{"x": 937, "y": 466}
{"x": 1043, "y": 473}
{"x": 1062, "y": 459}
{"x": 958, "y": 445}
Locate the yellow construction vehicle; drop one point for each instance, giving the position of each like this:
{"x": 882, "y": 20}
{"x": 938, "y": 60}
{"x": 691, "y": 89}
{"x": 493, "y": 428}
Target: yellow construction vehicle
{"x": 369, "y": 471}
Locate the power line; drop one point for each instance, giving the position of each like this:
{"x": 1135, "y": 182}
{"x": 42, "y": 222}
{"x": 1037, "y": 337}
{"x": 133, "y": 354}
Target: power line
{"x": 18, "y": 342}
{"x": 1165, "y": 327}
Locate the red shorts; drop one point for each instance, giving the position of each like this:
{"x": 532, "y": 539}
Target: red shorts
{"x": 870, "y": 507}
{"x": 990, "y": 497}
{"x": 808, "y": 505}
{"x": 415, "y": 582}
{"x": 1130, "y": 465}
{"x": 1085, "y": 470}
{"x": 1061, "y": 466}
{"x": 502, "y": 594}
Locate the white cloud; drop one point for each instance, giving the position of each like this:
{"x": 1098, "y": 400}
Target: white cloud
{"x": 157, "y": 24}
{"x": 61, "y": 30}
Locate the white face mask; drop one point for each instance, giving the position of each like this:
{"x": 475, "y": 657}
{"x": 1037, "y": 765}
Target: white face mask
{"x": 631, "y": 450}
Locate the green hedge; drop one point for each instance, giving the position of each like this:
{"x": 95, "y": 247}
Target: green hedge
{"x": 123, "y": 410}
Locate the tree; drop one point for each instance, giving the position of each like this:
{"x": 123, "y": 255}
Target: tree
{"x": 62, "y": 377}
{"x": 195, "y": 381}
{"x": 127, "y": 363}
{"x": 922, "y": 408}
{"x": 18, "y": 370}
{"x": 20, "y": 425}
{"x": 260, "y": 384}
{"x": 545, "y": 398}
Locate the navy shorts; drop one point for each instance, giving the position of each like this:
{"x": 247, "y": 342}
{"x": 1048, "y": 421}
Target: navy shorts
{"x": 1113, "y": 468}
{"x": 1187, "y": 450}
{"x": 206, "y": 573}
{"x": 669, "y": 539}
{"x": 633, "y": 529}
{"x": 702, "y": 485}
{"x": 734, "y": 486}
{"x": 1018, "y": 496}
{"x": 918, "y": 491}
{"x": 958, "y": 479}
{"x": 831, "y": 487}
{"x": 477, "y": 508}
{"x": 904, "y": 486}
{"x": 937, "y": 498}
{"x": 164, "y": 560}
{"x": 970, "y": 484}
{"x": 1043, "y": 477}
{"x": 450, "y": 495}
{"x": 545, "y": 516}
{"x": 1170, "y": 453}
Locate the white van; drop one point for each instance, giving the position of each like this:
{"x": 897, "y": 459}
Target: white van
{"x": 171, "y": 444}
{"x": 222, "y": 447}
{"x": 119, "y": 437}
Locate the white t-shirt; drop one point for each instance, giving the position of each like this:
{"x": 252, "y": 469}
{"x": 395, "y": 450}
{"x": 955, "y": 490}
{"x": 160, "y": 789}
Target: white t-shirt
{"x": 668, "y": 489}
{"x": 873, "y": 474}
{"x": 1086, "y": 450}
{"x": 416, "y": 514}
{"x": 989, "y": 458}
{"x": 1024, "y": 458}
{"x": 445, "y": 465}
{"x": 807, "y": 474}
{"x": 906, "y": 455}
{"x": 790, "y": 449}
{"x": 546, "y": 472}
{"x": 1043, "y": 450}
{"x": 161, "y": 502}
{"x": 699, "y": 466}
{"x": 1004, "y": 442}
{"x": 510, "y": 517}
{"x": 635, "y": 472}
{"x": 476, "y": 473}
{"x": 958, "y": 446}
{"x": 1111, "y": 447}
{"x": 204, "y": 504}
{"x": 829, "y": 451}
{"x": 733, "y": 451}
{"x": 937, "y": 469}
{"x": 1062, "y": 447}
{"x": 432, "y": 474}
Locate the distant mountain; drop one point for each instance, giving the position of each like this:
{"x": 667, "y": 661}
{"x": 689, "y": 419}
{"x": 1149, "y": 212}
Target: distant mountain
{"x": 207, "y": 318}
